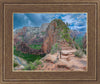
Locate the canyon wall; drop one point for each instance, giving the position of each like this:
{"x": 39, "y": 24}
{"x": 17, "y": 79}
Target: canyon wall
{"x": 50, "y": 38}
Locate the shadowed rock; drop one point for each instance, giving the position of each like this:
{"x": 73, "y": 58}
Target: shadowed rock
{"x": 26, "y": 49}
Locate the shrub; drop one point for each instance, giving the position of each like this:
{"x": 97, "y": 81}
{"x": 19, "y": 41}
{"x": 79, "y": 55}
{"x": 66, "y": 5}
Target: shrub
{"x": 84, "y": 50}
{"x": 76, "y": 46}
{"x": 42, "y": 65}
{"x": 33, "y": 67}
{"x": 78, "y": 40}
{"x": 79, "y": 53}
{"x": 38, "y": 62}
{"x": 30, "y": 66}
{"x": 15, "y": 64}
{"x": 37, "y": 47}
{"x": 54, "y": 48}
{"x": 27, "y": 68}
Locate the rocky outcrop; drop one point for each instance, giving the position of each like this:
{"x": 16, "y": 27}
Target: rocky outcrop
{"x": 56, "y": 32}
{"x": 51, "y": 37}
{"x": 74, "y": 33}
{"x": 84, "y": 42}
{"x": 23, "y": 47}
{"x": 17, "y": 41}
{"x": 26, "y": 34}
{"x": 44, "y": 27}
{"x": 35, "y": 41}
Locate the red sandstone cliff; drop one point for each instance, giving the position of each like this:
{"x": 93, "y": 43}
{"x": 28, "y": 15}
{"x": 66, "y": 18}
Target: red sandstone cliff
{"x": 84, "y": 42}
{"x": 51, "y": 37}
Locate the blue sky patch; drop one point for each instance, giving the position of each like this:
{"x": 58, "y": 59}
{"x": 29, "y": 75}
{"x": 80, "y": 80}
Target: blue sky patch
{"x": 77, "y": 21}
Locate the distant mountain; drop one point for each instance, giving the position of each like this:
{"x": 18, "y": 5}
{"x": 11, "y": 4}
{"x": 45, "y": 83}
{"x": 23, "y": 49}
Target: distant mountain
{"x": 74, "y": 33}
{"x": 32, "y": 30}
{"x": 29, "y": 34}
{"x": 44, "y": 27}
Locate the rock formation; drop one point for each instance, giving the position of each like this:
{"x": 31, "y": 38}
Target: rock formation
{"x": 55, "y": 33}
{"x": 74, "y": 33}
{"x": 30, "y": 35}
{"x": 51, "y": 37}
{"x": 84, "y": 42}
{"x": 44, "y": 27}
{"x": 23, "y": 47}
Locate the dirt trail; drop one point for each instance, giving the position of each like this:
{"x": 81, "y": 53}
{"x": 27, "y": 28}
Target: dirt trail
{"x": 67, "y": 62}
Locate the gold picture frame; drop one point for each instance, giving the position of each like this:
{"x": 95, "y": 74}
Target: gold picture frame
{"x": 8, "y": 7}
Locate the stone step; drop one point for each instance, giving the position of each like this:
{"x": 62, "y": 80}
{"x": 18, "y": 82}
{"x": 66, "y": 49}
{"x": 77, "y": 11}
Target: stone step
{"x": 63, "y": 64}
{"x": 65, "y": 48}
{"x": 66, "y": 52}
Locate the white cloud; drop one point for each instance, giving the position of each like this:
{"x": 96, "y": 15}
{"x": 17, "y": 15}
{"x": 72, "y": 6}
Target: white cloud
{"x": 82, "y": 16}
{"x": 77, "y": 21}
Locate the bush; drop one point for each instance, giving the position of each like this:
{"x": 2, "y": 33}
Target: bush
{"x": 42, "y": 65}
{"x": 15, "y": 64}
{"x": 30, "y": 66}
{"x": 54, "y": 48}
{"x": 27, "y": 68}
{"x": 84, "y": 50}
{"x": 79, "y": 53}
{"x": 37, "y": 47}
{"x": 79, "y": 42}
{"x": 76, "y": 46}
{"x": 33, "y": 67}
{"x": 38, "y": 62}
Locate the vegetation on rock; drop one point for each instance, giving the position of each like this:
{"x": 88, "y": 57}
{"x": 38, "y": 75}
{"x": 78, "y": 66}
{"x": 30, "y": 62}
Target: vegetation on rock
{"x": 15, "y": 64}
{"x": 37, "y": 47}
{"x": 38, "y": 62}
{"x": 63, "y": 30}
{"x": 30, "y": 66}
{"x": 54, "y": 48}
{"x": 28, "y": 57}
{"x": 79, "y": 53}
{"x": 33, "y": 66}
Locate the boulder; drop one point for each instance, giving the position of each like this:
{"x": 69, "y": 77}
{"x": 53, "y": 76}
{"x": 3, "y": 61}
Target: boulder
{"x": 50, "y": 58}
{"x": 63, "y": 64}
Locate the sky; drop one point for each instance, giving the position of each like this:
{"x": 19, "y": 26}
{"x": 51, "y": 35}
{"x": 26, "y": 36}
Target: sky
{"x": 77, "y": 21}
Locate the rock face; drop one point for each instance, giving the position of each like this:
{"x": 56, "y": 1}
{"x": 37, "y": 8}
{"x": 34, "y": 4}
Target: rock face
{"x": 44, "y": 27}
{"x": 23, "y": 47}
{"x": 51, "y": 37}
{"x": 27, "y": 35}
{"x": 36, "y": 41}
{"x": 84, "y": 42}
{"x": 74, "y": 33}
{"x": 32, "y": 30}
